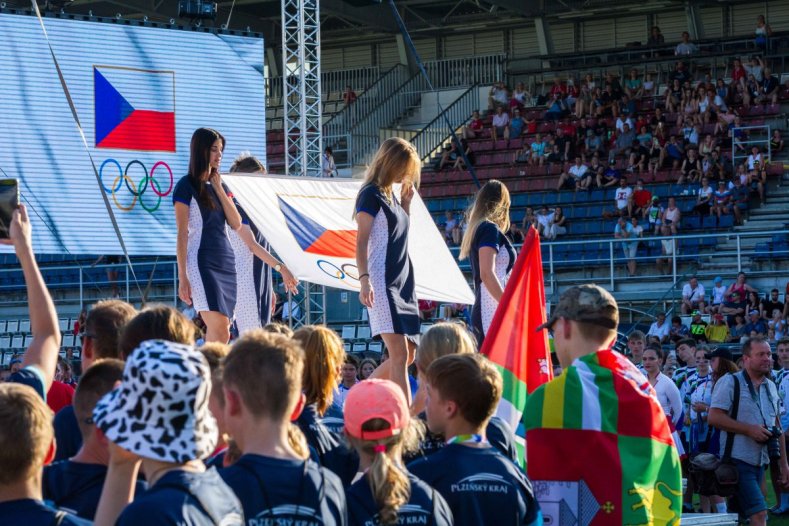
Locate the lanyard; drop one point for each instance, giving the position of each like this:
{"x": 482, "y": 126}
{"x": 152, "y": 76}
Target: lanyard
{"x": 467, "y": 439}
{"x": 757, "y": 399}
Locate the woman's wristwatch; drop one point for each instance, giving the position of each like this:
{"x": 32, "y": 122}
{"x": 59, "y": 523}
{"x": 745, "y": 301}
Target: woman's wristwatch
{"x": 278, "y": 267}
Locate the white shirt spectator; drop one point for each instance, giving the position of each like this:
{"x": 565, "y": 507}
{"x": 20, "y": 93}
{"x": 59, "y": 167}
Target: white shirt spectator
{"x": 620, "y": 124}
{"x": 500, "y": 95}
{"x": 328, "y": 168}
{"x": 623, "y": 196}
{"x": 545, "y": 219}
{"x": 720, "y": 103}
{"x": 705, "y": 192}
{"x": 638, "y": 230}
{"x": 752, "y": 160}
{"x": 661, "y": 332}
{"x": 693, "y": 295}
{"x": 717, "y": 294}
{"x": 578, "y": 171}
{"x": 501, "y": 120}
{"x": 668, "y": 246}
{"x": 686, "y": 48}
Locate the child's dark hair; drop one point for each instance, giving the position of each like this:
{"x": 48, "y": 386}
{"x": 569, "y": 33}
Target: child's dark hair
{"x": 469, "y": 380}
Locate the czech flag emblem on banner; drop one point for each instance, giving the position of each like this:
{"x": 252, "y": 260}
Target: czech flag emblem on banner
{"x": 134, "y": 109}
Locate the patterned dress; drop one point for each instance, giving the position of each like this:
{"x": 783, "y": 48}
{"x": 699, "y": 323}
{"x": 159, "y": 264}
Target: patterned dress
{"x": 395, "y": 309}
{"x": 210, "y": 262}
{"x": 488, "y": 235}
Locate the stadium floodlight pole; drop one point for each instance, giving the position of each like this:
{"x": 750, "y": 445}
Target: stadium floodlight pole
{"x": 412, "y": 47}
{"x": 302, "y": 86}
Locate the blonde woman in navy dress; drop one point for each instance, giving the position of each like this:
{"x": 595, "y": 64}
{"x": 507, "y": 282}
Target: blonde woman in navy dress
{"x": 490, "y": 252}
{"x": 204, "y": 208}
{"x": 386, "y": 275}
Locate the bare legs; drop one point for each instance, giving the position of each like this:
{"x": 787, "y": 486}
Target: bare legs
{"x": 217, "y": 326}
{"x": 401, "y": 354}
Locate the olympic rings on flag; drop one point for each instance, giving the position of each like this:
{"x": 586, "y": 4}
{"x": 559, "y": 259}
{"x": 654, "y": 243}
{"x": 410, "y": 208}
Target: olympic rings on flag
{"x": 137, "y": 190}
{"x": 347, "y": 270}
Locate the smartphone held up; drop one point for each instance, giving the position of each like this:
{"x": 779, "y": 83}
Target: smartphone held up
{"x": 9, "y": 201}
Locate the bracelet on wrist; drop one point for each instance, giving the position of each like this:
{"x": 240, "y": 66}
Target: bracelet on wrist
{"x": 365, "y": 275}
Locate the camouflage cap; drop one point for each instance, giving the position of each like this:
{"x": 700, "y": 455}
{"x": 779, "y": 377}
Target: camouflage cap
{"x": 587, "y": 304}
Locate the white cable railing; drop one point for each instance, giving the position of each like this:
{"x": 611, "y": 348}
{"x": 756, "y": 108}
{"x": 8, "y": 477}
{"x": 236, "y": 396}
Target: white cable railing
{"x": 331, "y": 81}
{"x": 461, "y": 72}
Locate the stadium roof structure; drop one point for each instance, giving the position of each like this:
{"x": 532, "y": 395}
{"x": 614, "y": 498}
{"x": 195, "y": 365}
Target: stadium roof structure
{"x": 354, "y": 20}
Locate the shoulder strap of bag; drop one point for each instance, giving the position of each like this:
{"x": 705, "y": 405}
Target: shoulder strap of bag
{"x": 735, "y": 407}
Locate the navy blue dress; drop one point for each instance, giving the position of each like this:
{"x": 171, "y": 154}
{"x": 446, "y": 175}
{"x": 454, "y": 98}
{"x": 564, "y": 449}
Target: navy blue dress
{"x": 395, "y": 310}
{"x": 210, "y": 262}
{"x": 488, "y": 235}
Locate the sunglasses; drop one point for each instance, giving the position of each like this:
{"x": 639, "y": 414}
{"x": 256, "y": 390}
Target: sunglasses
{"x": 86, "y": 335}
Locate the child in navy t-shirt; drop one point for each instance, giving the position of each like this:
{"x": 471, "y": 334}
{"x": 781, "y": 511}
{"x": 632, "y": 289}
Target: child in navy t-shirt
{"x": 378, "y": 425}
{"x": 274, "y": 479}
{"x": 480, "y": 485}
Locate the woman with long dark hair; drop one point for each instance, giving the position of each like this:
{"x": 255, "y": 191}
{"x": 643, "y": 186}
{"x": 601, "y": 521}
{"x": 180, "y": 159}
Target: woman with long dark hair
{"x": 490, "y": 252}
{"x": 204, "y": 208}
{"x": 386, "y": 275}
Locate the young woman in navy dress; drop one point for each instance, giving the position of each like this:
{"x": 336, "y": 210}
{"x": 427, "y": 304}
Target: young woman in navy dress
{"x": 204, "y": 207}
{"x": 490, "y": 252}
{"x": 388, "y": 288}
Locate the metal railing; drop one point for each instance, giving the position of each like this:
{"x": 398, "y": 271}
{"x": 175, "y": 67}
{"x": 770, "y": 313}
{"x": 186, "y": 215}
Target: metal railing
{"x": 342, "y": 121}
{"x": 461, "y": 72}
{"x": 602, "y": 261}
{"x": 433, "y": 136}
{"x": 331, "y": 81}
{"x": 749, "y": 142}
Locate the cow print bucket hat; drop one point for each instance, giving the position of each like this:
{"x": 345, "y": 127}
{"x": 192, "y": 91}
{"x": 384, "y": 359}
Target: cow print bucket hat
{"x": 160, "y": 411}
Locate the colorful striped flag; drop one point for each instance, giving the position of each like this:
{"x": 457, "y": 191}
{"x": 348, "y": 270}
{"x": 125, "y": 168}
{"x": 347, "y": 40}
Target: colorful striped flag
{"x": 600, "y": 450}
{"x": 512, "y": 341}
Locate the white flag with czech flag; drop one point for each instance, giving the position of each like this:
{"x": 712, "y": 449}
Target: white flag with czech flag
{"x": 310, "y": 225}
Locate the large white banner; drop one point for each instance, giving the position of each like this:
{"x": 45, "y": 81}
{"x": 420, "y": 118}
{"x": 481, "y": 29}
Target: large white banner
{"x": 310, "y": 224}
{"x": 140, "y": 93}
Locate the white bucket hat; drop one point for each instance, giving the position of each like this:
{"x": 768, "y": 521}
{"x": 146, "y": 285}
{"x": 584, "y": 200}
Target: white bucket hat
{"x": 160, "y": 411}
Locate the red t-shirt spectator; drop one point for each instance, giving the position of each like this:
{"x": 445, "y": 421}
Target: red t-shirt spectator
{"x": 642, "y": 198}
{"x": 558, "y": 88}
{"x": 476, "y": 124}
{"x": 738, "y": 73}
{"x": 59, "y": 396}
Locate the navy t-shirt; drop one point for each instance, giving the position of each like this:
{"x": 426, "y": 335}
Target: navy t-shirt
{"x": 278, "y": 491}
{"x": 67, "y": 434}
{"x": 32, "y": 377}
{"x": 426, "y": 505}
{"x": 480, "y": 485}
{"x": 184, "y": 497}
{"x": 76, "y": 486}
{"x": 333, "y": 451}
{"x": 30, "y": 512}
{"x": 499, "y": 434}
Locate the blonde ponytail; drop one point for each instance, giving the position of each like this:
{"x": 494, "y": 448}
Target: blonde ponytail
{"x": 389, "y": 484}
{"x": 298, "y": 442}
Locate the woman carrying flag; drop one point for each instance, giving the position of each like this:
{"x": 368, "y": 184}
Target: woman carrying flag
{"x": 386, "y": 275}
{"x": 490, "y": 252}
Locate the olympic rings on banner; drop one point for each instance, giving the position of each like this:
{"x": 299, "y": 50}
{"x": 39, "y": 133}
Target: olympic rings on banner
{"x": 137, "y": 189}
{"x": 347, "y": 271}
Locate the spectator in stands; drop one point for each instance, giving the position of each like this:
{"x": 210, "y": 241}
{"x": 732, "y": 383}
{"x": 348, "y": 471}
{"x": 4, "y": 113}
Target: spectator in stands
{"x": 452, "y": 228}
{"x": 704, "y": 199}
{"x": 499, "y": 126}
{"x": 557, "y": 224}
{"x": 718, "y": 292}
{"x": 577, "y": 177}
{"x": 642, "y": 199}
{"x": 584, "y": 101}
{"x": 638, "y": 230}
{"x": 522, "y": 155}
{"x": 624, "y": 230}
{"x": 698, "y": 327}
{"x": 738, "y": 76}
{"x": 693, "y": 296}
{"x": 769, "y": 304}
{"x": 660, "y": 328}
{"x": 762, "y": 33}
{"x": 558, "y": 108}
{"x": 655, "y": 37}
{"x": 675, "y": 153}
{"x": 735, "y": 297}
{"x": 756, "y": 68}
{"x": 756, "y": 325}
{"x": 768, "y": 91}
{"x": 349, "y": 96}
{"x": 516, "y": 125}
{"x": 624, "y": 198}
{"x": 672, "y": 216}
{"x": 564, "y": 143}
{"x": 686, "y": 47}
{"x": 498, "y": 96}
{"x": 621, "y": 121}
{"x": 776, "y": 142}
{"x": 678, "y": 330}
{"x": 653, "y": 214}
{"x": 737, "y": 329}
{"x": 634, "y": 86}
{"x": 740, "y": 197}
{"x": 718, "y": 332}
{"x": 529, "y": 220}
{"x": 594, "y": 144}
{"x": 366, "y": 368}
{"x": 475, "y": 126}
{"x": 328, "y": 167}
{"x": 751, "y": 91}
{"x": 514, "y": 234}
{"x": 427, "y": 309}
{"x": 777, "y": 325}
{"x": 667, "y": 248}
{"x": 722, "y": 200}
{"x": 673, "y": 96}
{"x": 753, "y": 303}
{"x": 623, "y": 144}
{"x": 521, "y": 98}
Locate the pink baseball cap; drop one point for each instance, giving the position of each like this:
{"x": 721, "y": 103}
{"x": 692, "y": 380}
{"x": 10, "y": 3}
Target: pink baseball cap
{"x": 372, "y": 399}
